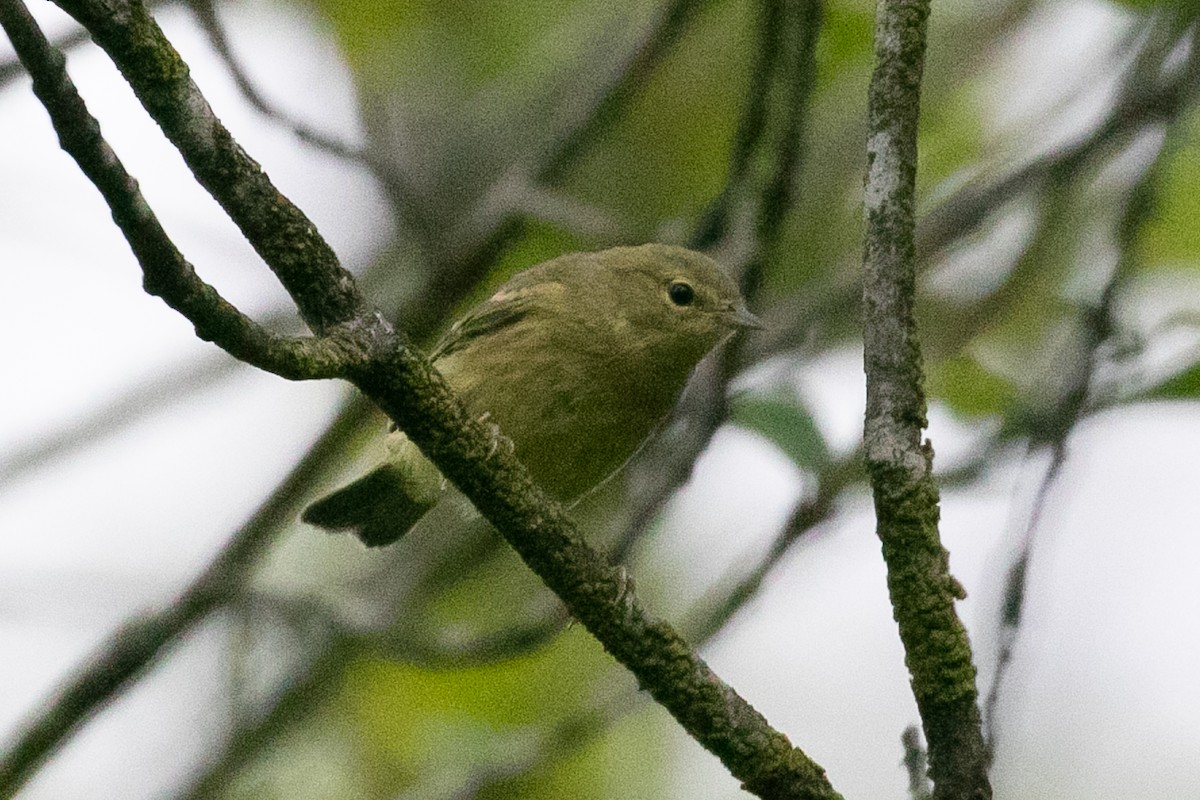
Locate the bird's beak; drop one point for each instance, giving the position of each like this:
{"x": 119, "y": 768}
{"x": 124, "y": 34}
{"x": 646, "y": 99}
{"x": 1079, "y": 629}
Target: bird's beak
{"x": 742, "y": 317}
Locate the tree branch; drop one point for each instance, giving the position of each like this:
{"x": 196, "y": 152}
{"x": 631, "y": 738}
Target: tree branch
{"x": 922, "y": 590}
{"x": 596, "y": 594}
{"x": 1100, "y": 325}
{"x": 1135, "y": 109}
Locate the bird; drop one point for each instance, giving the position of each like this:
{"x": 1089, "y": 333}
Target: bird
{"x": 575, "y": 361}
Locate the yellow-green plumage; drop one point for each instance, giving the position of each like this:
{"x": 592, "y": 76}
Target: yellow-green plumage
{"x": 576, "y": 360}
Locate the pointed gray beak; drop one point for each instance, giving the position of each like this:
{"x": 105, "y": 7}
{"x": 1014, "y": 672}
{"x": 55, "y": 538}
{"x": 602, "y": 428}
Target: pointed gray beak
{"x": 744, "y": 319}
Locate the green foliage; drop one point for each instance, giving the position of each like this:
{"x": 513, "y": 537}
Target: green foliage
{"x": 498, "y": 719}
{"x": 1189, "y": 6}
{"x": 1172, "y": 238}
{"x": 480, "y": 41}
{"x": 1184, "y": 385}
{"x": 669, "y": 153}
{"x": 783, "y": 420}
{"x": 846, "y": 40}
{"x": 950, "y": 138}
{"x": 969, "y": 389}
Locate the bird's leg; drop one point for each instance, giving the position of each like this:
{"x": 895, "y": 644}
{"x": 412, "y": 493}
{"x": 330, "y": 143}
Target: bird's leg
{"x": 625, "y": 594}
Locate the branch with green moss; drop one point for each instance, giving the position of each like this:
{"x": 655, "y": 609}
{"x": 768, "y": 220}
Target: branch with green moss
{"x": 354, "y": 341}
{"x": 899, "y": 463}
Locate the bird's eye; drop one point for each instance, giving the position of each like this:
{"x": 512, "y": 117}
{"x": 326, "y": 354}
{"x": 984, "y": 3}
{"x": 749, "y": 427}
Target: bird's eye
{"x": 681, "y": 294}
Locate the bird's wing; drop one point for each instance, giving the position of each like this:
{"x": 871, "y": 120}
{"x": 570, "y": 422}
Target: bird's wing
{"x": 505, "y": 308}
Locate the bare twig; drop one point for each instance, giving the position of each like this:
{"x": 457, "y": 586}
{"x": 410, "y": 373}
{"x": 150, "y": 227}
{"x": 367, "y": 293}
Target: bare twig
{"x": 915, "y": 763}
{"x": 278, "y": 231}
{"x": 712, "y": 613}
{"x": 301, "y": 695}
{"x": 167, "y": 274}
{"x": 172, "y": 386}
{"x": 1143, "y": 101}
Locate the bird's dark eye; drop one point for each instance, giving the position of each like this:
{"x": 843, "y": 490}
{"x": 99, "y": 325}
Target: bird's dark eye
{"x": 681, "y": 294}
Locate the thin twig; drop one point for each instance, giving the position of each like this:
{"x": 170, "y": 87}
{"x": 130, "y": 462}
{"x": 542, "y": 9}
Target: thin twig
{"x": 279, "y": 232}
{"x": 167, "y": 273}
{"x": 714, "y": 223}
{"x": 1134, "y": 110}
{"x": 300, "y": 695}
{"x": 712, "y": 613}
{"x": 915, "y": 763}
{"x": 129, "y": 407}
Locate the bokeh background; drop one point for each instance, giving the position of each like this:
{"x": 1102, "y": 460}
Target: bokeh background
{"x": 440, "y": 146}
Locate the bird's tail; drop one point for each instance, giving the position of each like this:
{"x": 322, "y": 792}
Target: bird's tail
{"x": 383, "y": 505}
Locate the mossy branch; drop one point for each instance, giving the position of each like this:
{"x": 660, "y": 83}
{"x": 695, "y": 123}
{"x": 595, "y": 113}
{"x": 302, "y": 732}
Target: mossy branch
{"x": 899, "y": 463}
{"x": 354, "y": 341}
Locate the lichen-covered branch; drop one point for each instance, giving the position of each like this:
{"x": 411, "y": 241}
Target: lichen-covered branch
{"x": 393, "y": 374}
{"x": 899, "y": 463}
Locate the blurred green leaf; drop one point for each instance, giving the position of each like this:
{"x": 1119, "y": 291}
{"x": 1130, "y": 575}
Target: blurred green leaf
{"x": 950, "y": 139}
{"x": 784, "y": 421}
{"x": 668, "y": 155}
{"x": 481, "y": 40}
{"x": 846, "y": 40}
{"x": 969, "y": 389}
{"x": 1183, "y": 385}
{"x": 1172, "y": 237}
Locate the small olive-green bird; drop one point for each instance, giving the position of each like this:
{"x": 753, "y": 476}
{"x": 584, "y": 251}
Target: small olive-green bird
{"x": 576, "y": 360}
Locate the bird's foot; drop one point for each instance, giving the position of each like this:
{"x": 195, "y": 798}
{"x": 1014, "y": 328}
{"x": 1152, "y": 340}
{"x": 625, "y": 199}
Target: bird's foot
{"x": 499, "y": 440}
